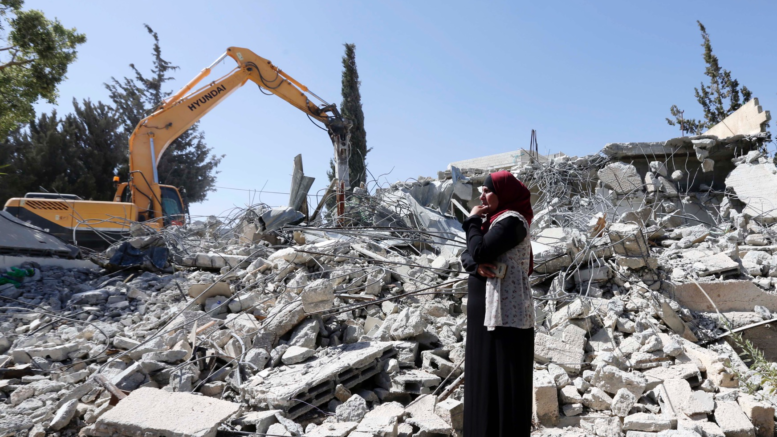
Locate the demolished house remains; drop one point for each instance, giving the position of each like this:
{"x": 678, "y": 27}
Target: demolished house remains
{"x": 259, "y": 323}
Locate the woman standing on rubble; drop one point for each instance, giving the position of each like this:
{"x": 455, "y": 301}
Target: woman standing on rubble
{"x": 500, "y": 313}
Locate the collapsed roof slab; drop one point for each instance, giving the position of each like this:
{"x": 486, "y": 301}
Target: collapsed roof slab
{"x": 726, "y": 295}
{"x": 299, "y": 388}
{"x": 687, "y": 154}
{"x": 749, "y": 119}
{"x": 756, "y": 187}
{"x": 150, "y": 411}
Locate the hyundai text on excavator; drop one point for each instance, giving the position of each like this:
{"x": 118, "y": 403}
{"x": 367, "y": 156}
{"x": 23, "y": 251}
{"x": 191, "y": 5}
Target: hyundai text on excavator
{"x": 142, "y": 198}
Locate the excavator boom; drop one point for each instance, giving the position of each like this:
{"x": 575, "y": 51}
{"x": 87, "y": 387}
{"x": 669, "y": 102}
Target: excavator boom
{"x": 142, "y": 198}
{"x": 155, "y": 133}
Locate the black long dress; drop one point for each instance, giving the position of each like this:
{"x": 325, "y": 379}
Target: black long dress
{"x": 500, "y": 363}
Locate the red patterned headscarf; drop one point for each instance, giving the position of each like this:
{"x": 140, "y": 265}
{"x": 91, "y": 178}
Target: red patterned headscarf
{"x": 513, "y": 196}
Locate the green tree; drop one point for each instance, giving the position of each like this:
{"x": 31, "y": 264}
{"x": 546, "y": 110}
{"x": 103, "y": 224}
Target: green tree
{"x": 35, "y": 53}
{"x": 721, "y": 97}
{"x": 77, "y": 154}
{"x": 351, "y": 109}
{"x": 187, "y": 163}
{"x": 95, "y": 131}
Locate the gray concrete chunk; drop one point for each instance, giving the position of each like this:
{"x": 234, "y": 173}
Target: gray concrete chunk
{"x": 622, "y": 178}
{"x": 733, "y": 421}
{"x": 161, "y": 413}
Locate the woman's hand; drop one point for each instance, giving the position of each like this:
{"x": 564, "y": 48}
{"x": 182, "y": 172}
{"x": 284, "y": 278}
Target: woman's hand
{"x": 487, "y": 270}
{"x": 479, "y": 210}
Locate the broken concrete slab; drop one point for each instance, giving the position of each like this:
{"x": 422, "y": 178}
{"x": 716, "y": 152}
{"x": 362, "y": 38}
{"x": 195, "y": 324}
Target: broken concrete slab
{"x": 149, "y": 410}
{"x": 549, "y": 349}
{"x": 621, "y": 177}
{"x": 749, "y": 119}
{"x": 422, "y": 415}
{"x": 688, "y": 401}
{"x": 760, "y": 414}
{"x": 646, "y": 422}
{"x": 628, "y": 240}
{"x": 318, "y": 296}
{"x": 756, "y": 186}
{"x": 197, "y": 291}
{"x": 315, "y": 382}
{"x": 733, "y": 421}
{"x": 414, "y": 382}
{"x": 611, "y": 379}
{"x": 732, "y": 295}
{"x": 718, "y": 263}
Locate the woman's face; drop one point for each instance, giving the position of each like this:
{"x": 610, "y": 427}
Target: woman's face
{"x": 488, "y": 198}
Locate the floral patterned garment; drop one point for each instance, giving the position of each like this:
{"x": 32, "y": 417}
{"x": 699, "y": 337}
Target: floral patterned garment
{"x": 508, "y": 300}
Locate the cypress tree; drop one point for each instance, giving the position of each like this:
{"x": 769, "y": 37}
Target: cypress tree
{"x": 719, "y": 99}
{"x": 187, "y": 163}
{"x": 351, "y": 109}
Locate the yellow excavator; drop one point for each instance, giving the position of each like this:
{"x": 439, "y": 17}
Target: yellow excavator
{"x": 142, "y": 198}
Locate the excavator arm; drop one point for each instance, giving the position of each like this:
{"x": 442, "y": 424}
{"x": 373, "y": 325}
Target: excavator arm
{"x": 155, "y": 133}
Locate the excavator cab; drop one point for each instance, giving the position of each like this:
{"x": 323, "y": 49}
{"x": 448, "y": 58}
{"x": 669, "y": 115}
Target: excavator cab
{"x": 172, "y": 206}
{"x": 173, "y": 210}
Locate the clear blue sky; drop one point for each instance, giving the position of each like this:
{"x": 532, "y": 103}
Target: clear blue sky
{"x": 441, "y": 80}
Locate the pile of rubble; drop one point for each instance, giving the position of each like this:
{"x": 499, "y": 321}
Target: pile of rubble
{"x": 256, "y": 323}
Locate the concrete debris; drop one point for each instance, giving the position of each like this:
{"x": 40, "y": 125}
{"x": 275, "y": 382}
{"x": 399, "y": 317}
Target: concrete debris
{"x": 150, "y": 410}
{"x": 749, "y": 119}
{"x": 645, "y": 256}
{"x": 620, "y": 177}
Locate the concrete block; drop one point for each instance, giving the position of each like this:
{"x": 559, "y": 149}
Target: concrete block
{"x": 686, "y": 400}
{"x": 623, "y": 401}
{"x": 318, "y": 296}
{"x": 452, "y": 412}
{"x": 199, "y": 293}
{"x": 570, "y": 395}
{"x": 571, "y": 410}
{"x": 549, "y": 349}
{"x": 713, "y": 363}
{"x": 408, "y": 323}
{"x": 575, "y": 309}
{"x": 414, "y": 381}
{"x": 597, "y": 399}
{"x": 756, "y": 187}
{"x": 628, "y": 240}
{"x": 621, "y": 177}
{"x": 260, "y": 419}
{"x": 283, "y": 318}
{"x": 290, "y": 254}
{"x": 422, "y": 415}
{"x": 700, "y": 427}
{"x": 382, "y": 421}
{"x": 601, "y": 426}
{"x": 296, "y": 354}
{"x": 545, "y": 406}
{"x": 733, "y": 421}
{"x": 148, "y": 410}
{"x": 646, "y": 422}
{"x": 611, "y": 379}
{"x": 54, "y": 353}
{"x": 572, "y": 335}
{"x": 64, "y": 415}
{"x": 352, "y": 410}
{"x": 759, "y": 413}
